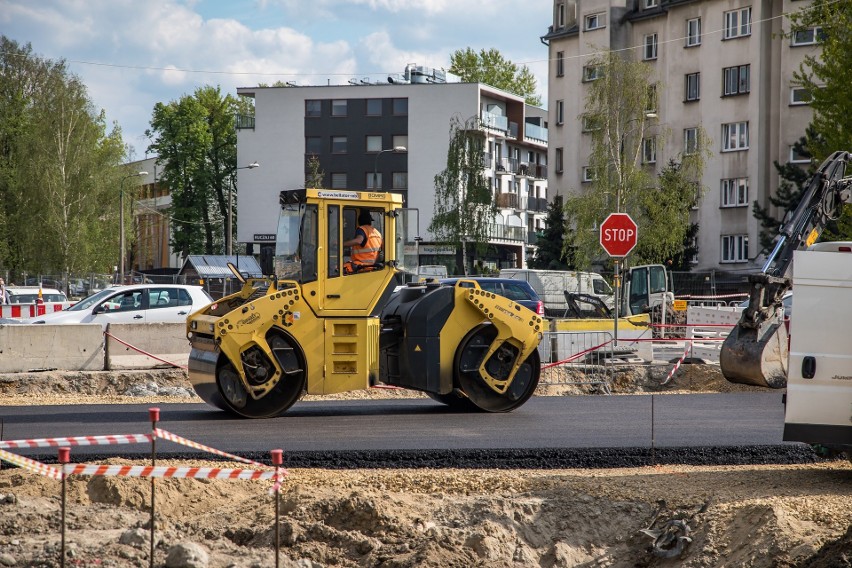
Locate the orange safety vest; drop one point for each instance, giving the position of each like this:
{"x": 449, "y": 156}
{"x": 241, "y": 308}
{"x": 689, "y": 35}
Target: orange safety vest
{"x": 369, "y": 253}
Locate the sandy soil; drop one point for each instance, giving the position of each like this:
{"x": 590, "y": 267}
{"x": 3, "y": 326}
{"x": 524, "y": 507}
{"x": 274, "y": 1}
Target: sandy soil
{"x": 757, "y": 516}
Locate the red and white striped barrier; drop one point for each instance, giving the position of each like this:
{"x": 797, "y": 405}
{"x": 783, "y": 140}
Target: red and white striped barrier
{"x": 184, "y": 442}
{"x": 77, "y": 441}
{"x": 182, "y": 472}
{"x": 31, "y": 465}
{"x": 20, "y": 311}
{"x": 678, "y": 364}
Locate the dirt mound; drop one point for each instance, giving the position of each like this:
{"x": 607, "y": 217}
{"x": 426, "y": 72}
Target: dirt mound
{"x": 753, "y": 517}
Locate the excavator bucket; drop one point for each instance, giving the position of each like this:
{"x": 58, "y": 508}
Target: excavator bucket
{"x": 756, "y": 355}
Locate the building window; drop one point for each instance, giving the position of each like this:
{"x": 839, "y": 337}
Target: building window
{"x": 400, "y": 140}
{"x": 734, "y": 136}
{"x": 693, "y": 32}
{"x": 588, "y": 174}
{"x": 560, "y": 16}
{"x": 374, "y": 107}
{"x": 737, "y": 23}
{"x": 693, "y": 86}
{"x": 374, "y": 143}
{"x": 595, "y": 21}
{"x": 400, "y": 180}
{"x": 800, "y": 96}
{"x": 807, "y": 36}
{"x": 313, "y": 107}
{"x": 592, "y": 72}
{"x": 690, "y": 140}
{"x": 649, "y": 3}
{"x": 338, "y": 181}
{"x": 560, "y": 63}
{"x": 737, "y": 80}
{"x": 649, "y": 150}
{"x": 650, "y": 50}
{"x": 559, "y": 162}
{"x": 797, "y": 157}
{"x": 734, "y": 248}
{"x": 313, "y": 145}
{"x": 560, "y": 112}
{"x": 735, "y": 192}
{"x": 651, "y": 103}
{"x": 400, "y": 107}
{"x": 338, "y": 107}
{"x": 338, "y": 144}
{"x": 374, "y": 180}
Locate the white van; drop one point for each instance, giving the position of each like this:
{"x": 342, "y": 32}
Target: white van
{"x": 551, "y": 285}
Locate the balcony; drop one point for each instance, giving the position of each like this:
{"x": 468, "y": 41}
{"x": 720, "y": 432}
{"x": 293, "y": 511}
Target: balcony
{"x": 507, "y": 200}
{"x": 495, "y": 121}
{"x": 538, "y": 171}
{"x": 243, "y": 121}
{"x": 487, "y": 159}
{"x": 534, "y": 204}
{"x": 508, "y": 165}
{"x": 507, "y": 233}
{"x": 535, "y": 133}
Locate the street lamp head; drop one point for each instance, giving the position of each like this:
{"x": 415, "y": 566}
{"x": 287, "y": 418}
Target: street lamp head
{"x": 400, "y": 149}
{"x": 141, "y": 173}
{"x": 253, "y": 165}
{"x": 650, "y": 115}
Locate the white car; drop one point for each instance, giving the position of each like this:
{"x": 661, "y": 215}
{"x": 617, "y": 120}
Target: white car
{"x": 142, "y": 303}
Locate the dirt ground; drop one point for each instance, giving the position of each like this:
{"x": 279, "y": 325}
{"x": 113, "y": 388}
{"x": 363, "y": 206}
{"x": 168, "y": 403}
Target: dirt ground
{"x": 754, "y": 516}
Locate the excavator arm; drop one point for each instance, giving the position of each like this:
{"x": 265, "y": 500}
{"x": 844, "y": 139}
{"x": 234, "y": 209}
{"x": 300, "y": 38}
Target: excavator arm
{"x": 755, "y": 352}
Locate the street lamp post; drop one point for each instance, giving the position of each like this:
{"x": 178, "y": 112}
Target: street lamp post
{"x": 395, "y": 150}
{"x": 121, "y": 246}
{"x": 229, "y": 236}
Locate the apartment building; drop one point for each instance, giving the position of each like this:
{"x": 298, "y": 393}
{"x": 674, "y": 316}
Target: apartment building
{"x": 721, "y": 65}
{"x": 352, "y": 131}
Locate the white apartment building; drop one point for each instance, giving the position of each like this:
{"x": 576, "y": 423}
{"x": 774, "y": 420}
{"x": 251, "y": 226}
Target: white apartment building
{"x": 722, "y": 65}
{"x": 351, "y": 129}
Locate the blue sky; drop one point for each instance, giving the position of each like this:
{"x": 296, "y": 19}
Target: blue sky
{"x": 132, "y": 54}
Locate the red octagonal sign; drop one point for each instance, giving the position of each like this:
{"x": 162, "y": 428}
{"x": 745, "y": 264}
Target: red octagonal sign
{"x": 618, "y": 234}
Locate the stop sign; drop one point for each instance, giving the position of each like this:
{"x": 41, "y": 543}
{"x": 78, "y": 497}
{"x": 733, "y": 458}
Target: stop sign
{"x": 618, "y": 234}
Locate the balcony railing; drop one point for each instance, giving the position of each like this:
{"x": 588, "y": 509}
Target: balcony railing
{"x": 495, "y": 121}
{"x": 507, "y": 233}
{"x": 487, "y": 159}
{"x": 534, "y": 204}
{"x": 535, "y": 132}
{"x": 243, "y": 121}
{"x": 507, "y": 200}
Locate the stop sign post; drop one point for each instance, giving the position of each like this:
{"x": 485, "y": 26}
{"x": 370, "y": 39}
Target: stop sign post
{"x": 618, "y": 234}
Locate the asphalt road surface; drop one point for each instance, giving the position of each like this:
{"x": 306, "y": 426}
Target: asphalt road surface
{"x": 614, "y": 425}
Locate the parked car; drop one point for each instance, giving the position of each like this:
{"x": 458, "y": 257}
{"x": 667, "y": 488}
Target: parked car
{"x": 518, "y": 291}
{"x": 29, "y": 295}
{"x": 143, "y": 303}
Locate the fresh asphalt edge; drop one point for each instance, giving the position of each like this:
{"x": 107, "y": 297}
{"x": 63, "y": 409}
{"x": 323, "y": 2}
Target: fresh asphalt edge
{"x": 562, "y": 458}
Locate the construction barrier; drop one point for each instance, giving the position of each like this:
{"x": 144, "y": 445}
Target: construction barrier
{"x": 65, "y": 469}
{"x": 21, "y": 311}
{"x": 88, "y": 347}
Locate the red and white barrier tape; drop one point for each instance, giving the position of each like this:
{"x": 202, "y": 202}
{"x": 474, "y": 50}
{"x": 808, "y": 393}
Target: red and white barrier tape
{"x": 678, "y": 364}
{"x": 108, "y": 334}
{"x": 698, "y": 297}
{"x": 577, "y": 355}
{"x": 30, "y": 465}
{"x": 77, "y": 441}
{"x": 185, "y": 442}
{"x": 158, "y": 471}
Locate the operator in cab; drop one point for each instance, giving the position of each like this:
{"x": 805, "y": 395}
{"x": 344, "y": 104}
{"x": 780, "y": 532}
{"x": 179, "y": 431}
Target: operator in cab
{"x": 366, "y": 245}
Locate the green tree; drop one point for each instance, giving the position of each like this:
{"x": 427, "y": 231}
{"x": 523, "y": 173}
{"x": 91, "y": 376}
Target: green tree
{"x": 551, "y": 252}
{"x": 196, "y": 142}
{"x": 490, "y": 67}
{"x": 618, "y": 107}
{"x": 464, "y": 208}
{"x": 826, "y": 74}
{"x": 59, "y": 169}
{"x": 315, "y": 175}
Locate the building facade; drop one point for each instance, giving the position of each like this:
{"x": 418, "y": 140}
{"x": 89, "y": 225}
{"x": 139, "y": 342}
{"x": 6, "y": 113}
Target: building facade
{"x": 724, "y": 66}
{"x": 352, "y": 130}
